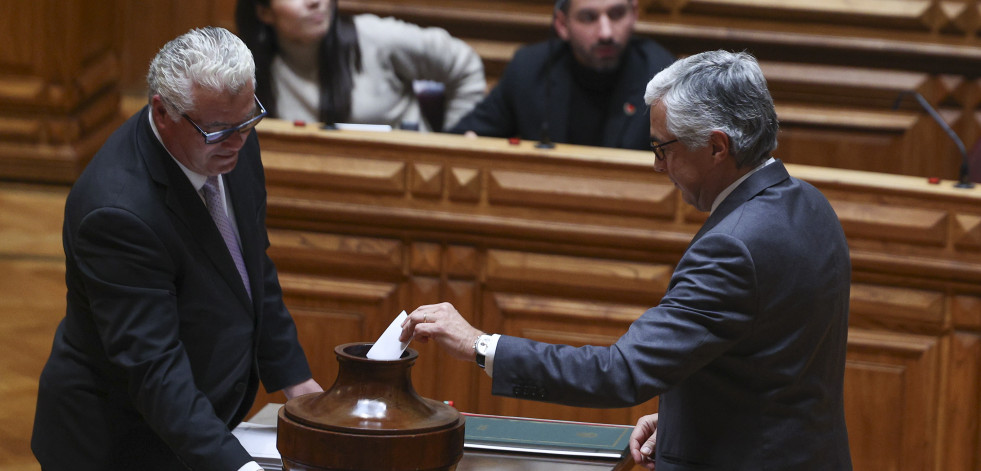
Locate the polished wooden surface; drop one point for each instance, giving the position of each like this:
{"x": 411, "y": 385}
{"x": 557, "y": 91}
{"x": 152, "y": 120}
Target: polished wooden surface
{"x": 32, "y": 302}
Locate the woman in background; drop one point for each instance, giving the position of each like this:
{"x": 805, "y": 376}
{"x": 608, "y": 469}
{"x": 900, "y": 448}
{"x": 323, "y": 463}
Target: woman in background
{"x": 315, "y": 65}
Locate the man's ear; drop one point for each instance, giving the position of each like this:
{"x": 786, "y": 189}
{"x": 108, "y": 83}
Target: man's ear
{"x": 720, "y": 146}
{"x": 158, "y": 112}
{"x": 560, "y": 21}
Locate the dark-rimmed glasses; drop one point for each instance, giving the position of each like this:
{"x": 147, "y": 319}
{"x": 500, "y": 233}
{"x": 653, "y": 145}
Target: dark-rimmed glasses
{"x": 219, "y": 136}
{"x": 656, "y": 147}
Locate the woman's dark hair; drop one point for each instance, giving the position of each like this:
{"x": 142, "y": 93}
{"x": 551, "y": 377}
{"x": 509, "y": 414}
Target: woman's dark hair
{"x": 339, "y": 54}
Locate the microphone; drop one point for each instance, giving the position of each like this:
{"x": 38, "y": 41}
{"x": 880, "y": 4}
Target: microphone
{"x": 965, "y": 179}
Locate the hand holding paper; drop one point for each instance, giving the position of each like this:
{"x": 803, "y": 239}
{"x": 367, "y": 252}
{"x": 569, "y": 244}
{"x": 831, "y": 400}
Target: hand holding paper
{"x": 444, "y": 324}
{"x": 388, "y": 346}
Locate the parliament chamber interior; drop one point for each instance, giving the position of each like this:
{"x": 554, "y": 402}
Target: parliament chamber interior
{"x": 566, "y": 245}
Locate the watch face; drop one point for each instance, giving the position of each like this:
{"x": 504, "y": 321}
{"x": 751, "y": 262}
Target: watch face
{"x": 482, "y": 345}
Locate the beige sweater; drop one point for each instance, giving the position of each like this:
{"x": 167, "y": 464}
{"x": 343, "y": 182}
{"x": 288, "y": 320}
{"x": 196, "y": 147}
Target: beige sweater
{"x": 394, "y": 54}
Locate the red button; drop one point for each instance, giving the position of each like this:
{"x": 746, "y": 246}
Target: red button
{"x": 299, "y": 123}
{"x": 933, "y": 180}
{"x": 514, "y": 141}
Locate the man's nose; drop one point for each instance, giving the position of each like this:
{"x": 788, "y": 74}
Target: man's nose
{"x": 236, "y": 140}
{"x": 605, "y": 28}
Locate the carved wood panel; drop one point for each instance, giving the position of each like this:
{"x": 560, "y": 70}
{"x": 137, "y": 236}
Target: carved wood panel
{"x": 891, "y": 394}
{"x": 59, "y": 95}
{"x": 329, "y": 312}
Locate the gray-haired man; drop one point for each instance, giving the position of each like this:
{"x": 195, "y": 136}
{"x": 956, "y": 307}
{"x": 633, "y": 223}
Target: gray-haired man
{"x": 746, "y": 351}
{"x": 174, "y": 309}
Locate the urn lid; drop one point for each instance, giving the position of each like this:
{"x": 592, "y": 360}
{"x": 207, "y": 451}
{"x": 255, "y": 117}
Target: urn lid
{"x": 371, "y": 397}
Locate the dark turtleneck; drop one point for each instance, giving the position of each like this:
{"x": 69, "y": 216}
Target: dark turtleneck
{"x": 589, "y": 101}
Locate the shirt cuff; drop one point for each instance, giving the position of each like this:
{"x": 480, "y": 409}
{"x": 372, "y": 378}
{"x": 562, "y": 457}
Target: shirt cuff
{"x": 250, "y": 466}
{"x": 489, "y": 357}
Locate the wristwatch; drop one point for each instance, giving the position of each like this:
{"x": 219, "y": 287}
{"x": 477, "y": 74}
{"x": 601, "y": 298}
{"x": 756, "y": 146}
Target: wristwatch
{"x": 480, "y": 347}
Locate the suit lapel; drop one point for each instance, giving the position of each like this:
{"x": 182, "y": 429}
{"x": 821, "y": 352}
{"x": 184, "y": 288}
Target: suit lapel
{"x": 186, "y": 205}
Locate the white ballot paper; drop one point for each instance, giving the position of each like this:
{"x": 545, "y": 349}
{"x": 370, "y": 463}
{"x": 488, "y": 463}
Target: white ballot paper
{"x": 388, "y": 346}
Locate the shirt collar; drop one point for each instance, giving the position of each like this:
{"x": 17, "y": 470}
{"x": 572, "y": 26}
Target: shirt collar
{"x": 729, "y": 189}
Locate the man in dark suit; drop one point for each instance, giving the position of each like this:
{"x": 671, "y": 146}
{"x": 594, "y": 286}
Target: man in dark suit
{"x": 746, "y": 350}
{"x": 585, "y": 88}
{"x": 175, "y": 312}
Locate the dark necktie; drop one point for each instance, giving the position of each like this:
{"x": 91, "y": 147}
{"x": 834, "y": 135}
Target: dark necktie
{"x": 217, "y": 209}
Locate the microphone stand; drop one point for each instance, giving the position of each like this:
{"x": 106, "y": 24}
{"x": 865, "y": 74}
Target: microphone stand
{"x": 965, "y": 179}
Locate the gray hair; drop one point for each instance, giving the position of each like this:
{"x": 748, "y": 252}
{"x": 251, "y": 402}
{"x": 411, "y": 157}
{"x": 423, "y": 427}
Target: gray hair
{"x": 211, "y": 58}
{"x": 718, "y": 91}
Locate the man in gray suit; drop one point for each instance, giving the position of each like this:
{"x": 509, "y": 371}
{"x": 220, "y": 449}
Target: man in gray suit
{"x": 746, "y": 350}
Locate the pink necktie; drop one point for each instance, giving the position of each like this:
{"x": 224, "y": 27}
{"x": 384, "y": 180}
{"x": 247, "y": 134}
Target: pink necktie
{"x": 217, "y": 209}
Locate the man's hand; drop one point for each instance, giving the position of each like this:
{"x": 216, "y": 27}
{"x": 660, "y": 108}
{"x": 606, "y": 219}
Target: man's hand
{"x": 306, "y": 387}
{"x": 442, "y": 323}
{"x": 642, "y": 441}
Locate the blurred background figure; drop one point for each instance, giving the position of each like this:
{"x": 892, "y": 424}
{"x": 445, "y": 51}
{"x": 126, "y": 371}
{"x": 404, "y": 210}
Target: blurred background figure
{"x": 585, "y": 87}
{"x": 313, "y": 64}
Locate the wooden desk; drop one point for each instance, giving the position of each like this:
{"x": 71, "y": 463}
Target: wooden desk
{"x": 570, "y": 245}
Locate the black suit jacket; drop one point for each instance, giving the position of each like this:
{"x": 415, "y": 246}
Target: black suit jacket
{"x": 161, "y": 350}
{"x": 746, "y": 348}
{"x": 531, "y": 90}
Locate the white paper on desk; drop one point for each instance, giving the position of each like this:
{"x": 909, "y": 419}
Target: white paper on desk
{"x": 388, "y": 346}
{"x": 258, "y": 440}
{"x": 363, "y": 127}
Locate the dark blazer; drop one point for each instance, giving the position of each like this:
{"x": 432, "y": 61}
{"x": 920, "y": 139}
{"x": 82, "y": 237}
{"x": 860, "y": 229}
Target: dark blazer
{"x": 517, "y": 105}
{"x": 161, "y": 351}
{"x": 746, "y": 349}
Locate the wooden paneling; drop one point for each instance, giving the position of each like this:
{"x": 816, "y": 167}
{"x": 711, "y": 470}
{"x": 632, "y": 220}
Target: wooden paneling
{"x": 835, "y": 68}
{"x": 59, "y": 95}
{"x": 571, "y": 245}
{"x": 891, "y": 399}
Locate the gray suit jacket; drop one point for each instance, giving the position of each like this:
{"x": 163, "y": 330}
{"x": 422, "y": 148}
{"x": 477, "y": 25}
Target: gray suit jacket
{"x": 746, "y": 349}
{"x": 161, "y": 350}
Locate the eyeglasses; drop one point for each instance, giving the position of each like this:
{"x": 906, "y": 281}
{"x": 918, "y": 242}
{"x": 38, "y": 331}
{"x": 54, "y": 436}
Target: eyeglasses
{"x": 219, "y": 136}
{"x": 656, "y": 147}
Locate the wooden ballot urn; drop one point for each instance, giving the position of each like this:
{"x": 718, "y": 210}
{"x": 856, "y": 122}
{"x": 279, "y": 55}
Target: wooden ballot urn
{"x": 370, "y": 419}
